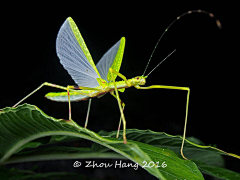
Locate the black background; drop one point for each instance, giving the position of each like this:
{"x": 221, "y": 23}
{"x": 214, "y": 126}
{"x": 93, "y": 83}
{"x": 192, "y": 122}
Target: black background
{"x": 205, "y": 60}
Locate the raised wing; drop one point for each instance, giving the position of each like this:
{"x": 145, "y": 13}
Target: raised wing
{"x": 112, "y": 58}
{"x": 74, "y": 55}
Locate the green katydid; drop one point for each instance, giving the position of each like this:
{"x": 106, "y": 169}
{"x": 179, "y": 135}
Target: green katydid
{"x": 95, "y": 81}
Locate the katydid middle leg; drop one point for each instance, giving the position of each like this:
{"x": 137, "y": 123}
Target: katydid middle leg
{"x": 120, "y": 108}
{"x": 69, "y": 100}
{"x": 177, "y": 88}
{"x": 123, "y": 106}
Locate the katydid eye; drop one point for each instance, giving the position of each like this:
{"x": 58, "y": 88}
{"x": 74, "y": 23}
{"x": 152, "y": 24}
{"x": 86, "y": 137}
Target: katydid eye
{"x": 137, "y": 78}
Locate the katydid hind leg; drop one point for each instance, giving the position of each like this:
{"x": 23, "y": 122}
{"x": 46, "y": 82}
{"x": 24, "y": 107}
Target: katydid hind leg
{"x": 43, "y": 84}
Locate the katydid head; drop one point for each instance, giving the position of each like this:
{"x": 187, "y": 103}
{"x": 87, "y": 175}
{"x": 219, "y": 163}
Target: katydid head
{"x": 140, "y": 80}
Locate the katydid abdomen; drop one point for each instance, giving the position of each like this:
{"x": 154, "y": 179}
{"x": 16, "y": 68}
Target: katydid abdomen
{"x": 77, "y": 95}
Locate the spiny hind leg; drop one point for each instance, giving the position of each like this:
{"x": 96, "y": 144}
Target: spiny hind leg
{"x": 123, "y": 106}
{"x": 43, "y": 84}
{"x": 186, "y": 114}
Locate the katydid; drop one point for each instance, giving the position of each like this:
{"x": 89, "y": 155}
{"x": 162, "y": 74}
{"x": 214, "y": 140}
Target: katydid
{"x": 96, "y": 81}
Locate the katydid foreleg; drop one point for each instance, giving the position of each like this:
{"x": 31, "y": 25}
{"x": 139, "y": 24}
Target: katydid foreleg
{"x": 177, "y": 88}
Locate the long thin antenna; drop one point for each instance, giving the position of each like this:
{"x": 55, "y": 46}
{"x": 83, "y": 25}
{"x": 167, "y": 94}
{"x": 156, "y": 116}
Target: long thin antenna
{"x": 189, "y": 12}
{"x": 161, "y": 62}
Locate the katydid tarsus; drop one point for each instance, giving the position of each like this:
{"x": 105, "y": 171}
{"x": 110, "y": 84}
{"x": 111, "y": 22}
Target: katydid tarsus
{"x": 95, "y": 81}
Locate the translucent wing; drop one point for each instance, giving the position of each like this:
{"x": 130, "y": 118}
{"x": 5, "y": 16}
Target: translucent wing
{"x": 74, "y": 55}
{"x": 112, "y": 58}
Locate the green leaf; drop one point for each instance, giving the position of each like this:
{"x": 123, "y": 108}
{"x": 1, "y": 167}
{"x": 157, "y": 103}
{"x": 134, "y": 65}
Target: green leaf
{"x": 218, "y": 171}
{"x": 25, "y": 123}
{"x": 208, "y": 159}
{"x": 98, "y": 151}
{"x": 169, "y": 141}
